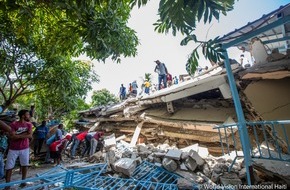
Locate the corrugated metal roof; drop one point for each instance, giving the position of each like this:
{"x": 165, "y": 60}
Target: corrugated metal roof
{"x": 274, "y": 33}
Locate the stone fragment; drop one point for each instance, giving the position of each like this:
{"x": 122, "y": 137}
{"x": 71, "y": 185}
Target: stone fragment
{"x": 173, "y": 154}
{"x": 190, "y": 163}
{"x": 158, "y": 160}
{"x": 142, "y": 148}
{"x": 159, "y": 154}
{"x": 184, "y": 155}
{"x": 194, "y": 155}
{"x": 242, "y": 173}
{"x": 150, "y": 158}
{"x": 215, "y": 177}
{"x": 183, "y": 167}
{"x": 169, "y": 164}
{"x": 184, "y": 184}
{"x": 125, "y": 166}
{"x": 206, "y": 170}
{"x": 138, "y": 160}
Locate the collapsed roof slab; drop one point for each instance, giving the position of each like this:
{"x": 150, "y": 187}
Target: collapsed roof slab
{"x": 189, "y": 88}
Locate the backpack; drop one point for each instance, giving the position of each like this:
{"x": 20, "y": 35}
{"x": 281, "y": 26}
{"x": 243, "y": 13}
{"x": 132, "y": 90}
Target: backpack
{"x": 3, "y": 143}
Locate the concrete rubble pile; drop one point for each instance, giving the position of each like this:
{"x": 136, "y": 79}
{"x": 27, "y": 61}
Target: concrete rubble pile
{"x": 193, "y": 163}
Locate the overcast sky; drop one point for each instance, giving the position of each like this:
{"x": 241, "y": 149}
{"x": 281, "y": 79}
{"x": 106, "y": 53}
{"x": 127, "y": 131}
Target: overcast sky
{"x": 167, "y": 48}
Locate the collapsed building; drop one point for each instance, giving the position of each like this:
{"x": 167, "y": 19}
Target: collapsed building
{"x": 189, "y": 112}
{"x": 175, "y": 137}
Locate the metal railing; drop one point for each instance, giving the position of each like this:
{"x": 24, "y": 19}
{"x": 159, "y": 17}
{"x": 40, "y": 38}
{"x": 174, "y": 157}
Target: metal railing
{"x": 265, "y": 142}
{"x": 58, "y": 177}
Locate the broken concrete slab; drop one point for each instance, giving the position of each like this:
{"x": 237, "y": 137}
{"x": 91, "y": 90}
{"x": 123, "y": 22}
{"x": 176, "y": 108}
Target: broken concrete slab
{"x": 194, "y": 155}
{"x": 173, "y": 154}
{"x": 110, "y": 140}
{"x": 191, "y": 147}
{"x": 125, "y": 166}
{"x": 159, "y": 154}
{"x": 191, "y": 164}
{"x": 203, "y": 152}
{"x": 169, "y": 164}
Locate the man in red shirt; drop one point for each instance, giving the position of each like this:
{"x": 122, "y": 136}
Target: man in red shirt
{"x": 94, "y": 142}
{"x": 21, "y": 132}
{"x": 56, "y": 148}
{"x": 79, "y": 138}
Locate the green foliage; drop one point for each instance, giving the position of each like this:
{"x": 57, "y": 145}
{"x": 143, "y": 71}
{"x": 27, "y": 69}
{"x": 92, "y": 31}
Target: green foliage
{"x": 182, "y": 16}
{"x": 103, "y": 97}
{"x": 212, "y": 50}
{"x": 97, "y": 28}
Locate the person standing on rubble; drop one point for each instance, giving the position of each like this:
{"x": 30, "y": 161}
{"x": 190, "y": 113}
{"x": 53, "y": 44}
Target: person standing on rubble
{"x": 134, "y": 88}
{"x": 76, "y": 142}
{"x": 162, "y": 74}
{"x": 122, "y": 92}
{"x": 21, "y": 132}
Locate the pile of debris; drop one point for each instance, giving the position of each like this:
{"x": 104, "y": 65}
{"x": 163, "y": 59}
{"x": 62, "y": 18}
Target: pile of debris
{"x": 193, "y": 163}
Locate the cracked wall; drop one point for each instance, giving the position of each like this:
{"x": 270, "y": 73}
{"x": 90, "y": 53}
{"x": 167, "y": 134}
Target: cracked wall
{"x": 271, "y": 99}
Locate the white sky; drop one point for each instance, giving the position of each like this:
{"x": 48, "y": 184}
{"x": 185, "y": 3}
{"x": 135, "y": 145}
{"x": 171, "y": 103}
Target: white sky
{"x": 167, "y": 48}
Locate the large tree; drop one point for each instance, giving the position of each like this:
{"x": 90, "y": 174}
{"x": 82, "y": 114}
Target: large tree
{"x": 97, "y": 28}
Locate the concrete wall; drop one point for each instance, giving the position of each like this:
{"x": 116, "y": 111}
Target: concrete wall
{"x": 271, "y": 98}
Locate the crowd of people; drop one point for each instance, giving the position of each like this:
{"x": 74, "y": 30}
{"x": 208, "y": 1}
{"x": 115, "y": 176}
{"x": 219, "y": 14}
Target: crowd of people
{"x": 16, "y": 138}
{"x": 165, "y": 80}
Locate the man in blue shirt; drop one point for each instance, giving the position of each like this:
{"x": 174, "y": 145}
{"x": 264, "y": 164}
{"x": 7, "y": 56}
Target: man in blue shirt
{"x": 41, "y": 134}
{"x": 162, "y": 74}
{"x": 122, "y": 92}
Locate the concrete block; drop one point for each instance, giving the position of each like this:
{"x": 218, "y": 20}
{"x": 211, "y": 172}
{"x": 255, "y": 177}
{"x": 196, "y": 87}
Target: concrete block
{"x": 169, "y": 164}
{"x": 190, "y": 164}
{"x": 159, "y": 154}
{"x": 194, "y": 155}
{"x": 110, "y": 140}
{"x": 203, "y": 152}
{"x": 174, "y": 154}
{"x": 184, "y": 155}
{"x": 125, "y": 166}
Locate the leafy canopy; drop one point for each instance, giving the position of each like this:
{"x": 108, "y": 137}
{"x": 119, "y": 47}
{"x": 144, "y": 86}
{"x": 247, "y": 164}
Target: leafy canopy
{"x": 182, "y": 16}
{"x": 97, "y": 28}
{"x": 103, "y": 97}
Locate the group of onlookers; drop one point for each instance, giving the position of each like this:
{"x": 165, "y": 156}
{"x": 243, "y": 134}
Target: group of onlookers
{"x": 15, "y": 141}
